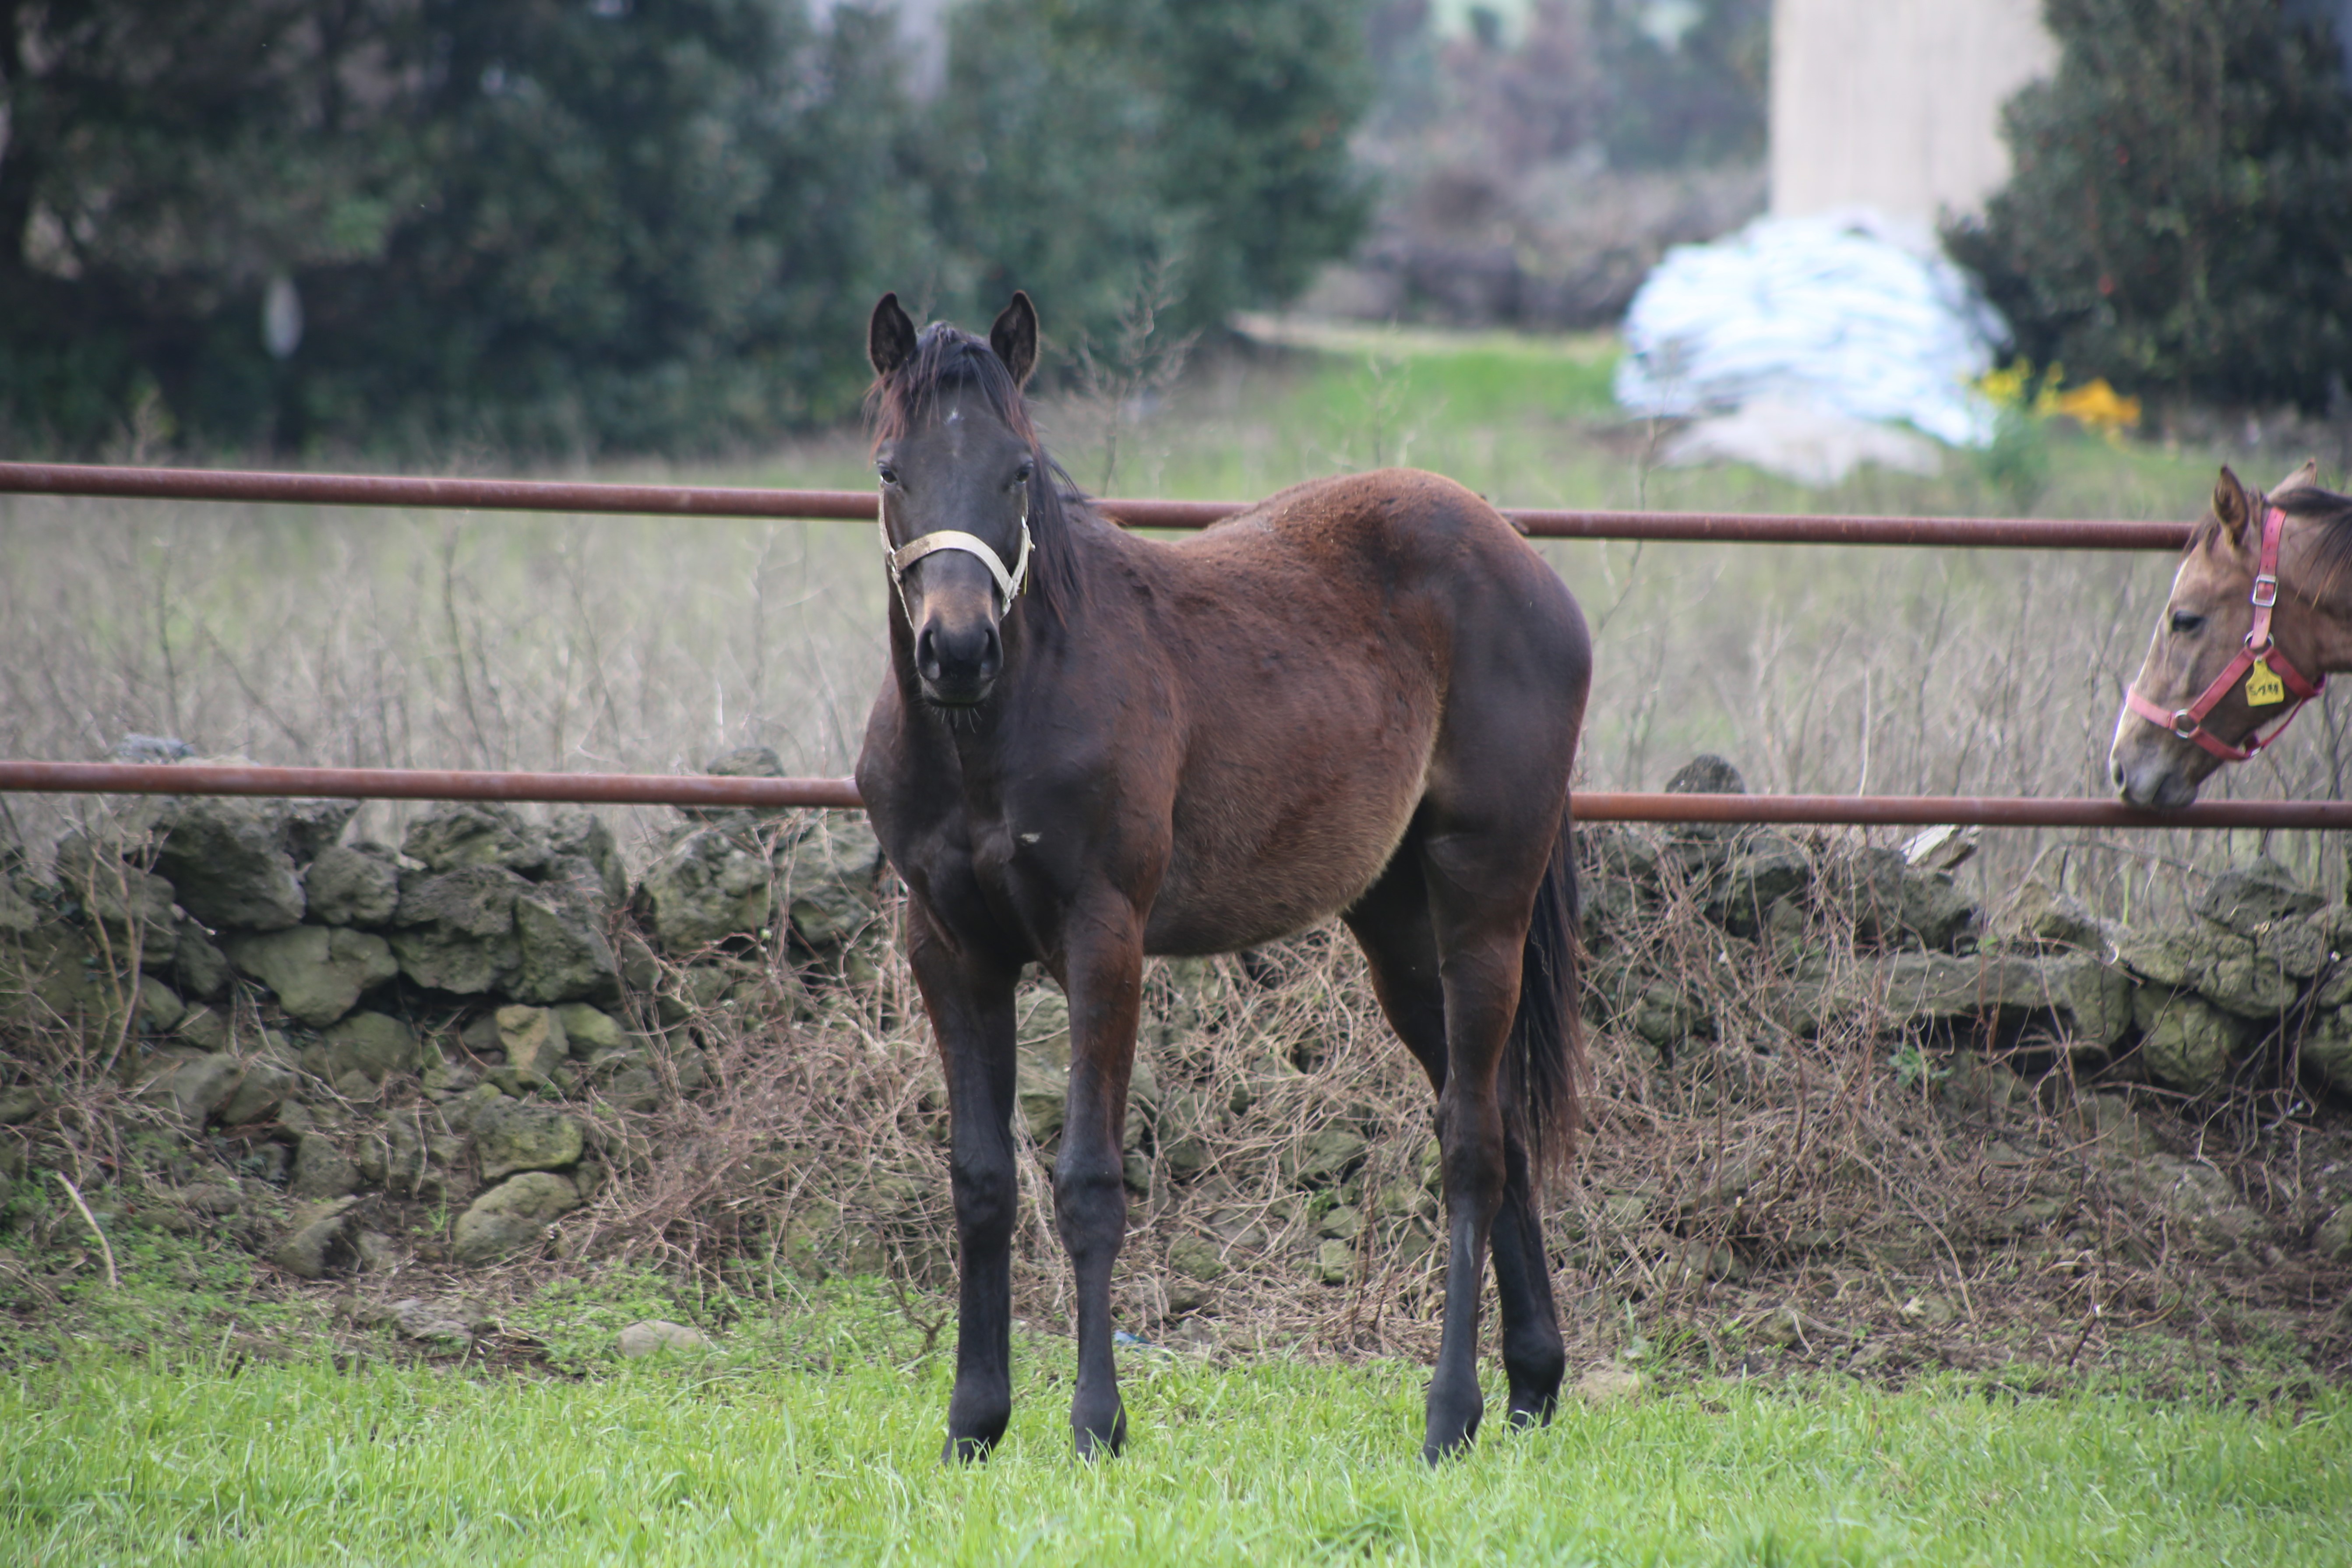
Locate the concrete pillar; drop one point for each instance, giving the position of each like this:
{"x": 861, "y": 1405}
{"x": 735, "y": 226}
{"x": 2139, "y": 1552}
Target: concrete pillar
{"x": 1895, "y": 104}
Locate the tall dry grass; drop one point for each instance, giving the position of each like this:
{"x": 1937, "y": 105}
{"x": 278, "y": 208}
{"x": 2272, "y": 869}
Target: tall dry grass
{"x": 398, "y": 638}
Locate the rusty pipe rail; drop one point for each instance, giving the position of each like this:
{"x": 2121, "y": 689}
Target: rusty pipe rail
{"x": 858, "y": 506}
{"x": 709, "y": 790}
{"x": 421, "y": 784}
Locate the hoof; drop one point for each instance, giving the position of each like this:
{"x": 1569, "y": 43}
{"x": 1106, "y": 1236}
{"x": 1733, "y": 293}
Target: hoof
{"x": 1094, "y": 1445}
{"x": 967, "y": 1450}
{"x": 1538, "y": 1412}
{"x": 1454, "y": 1412}
{"x": 1436, "y": 1448}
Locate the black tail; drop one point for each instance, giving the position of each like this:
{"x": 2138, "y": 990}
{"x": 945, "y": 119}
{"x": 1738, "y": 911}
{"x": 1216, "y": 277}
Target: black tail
{"x": 1543, "y": 1065}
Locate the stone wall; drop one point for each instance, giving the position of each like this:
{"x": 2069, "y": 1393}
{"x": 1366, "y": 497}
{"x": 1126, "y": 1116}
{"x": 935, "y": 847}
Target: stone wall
{"x": 468, "y": 1021}
{"x": 237, "y": 966}
{"x": 1808, "y": 934}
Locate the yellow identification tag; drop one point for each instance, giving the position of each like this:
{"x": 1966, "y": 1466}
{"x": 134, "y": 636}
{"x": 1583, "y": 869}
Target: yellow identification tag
{"x": 2263, "y": 685}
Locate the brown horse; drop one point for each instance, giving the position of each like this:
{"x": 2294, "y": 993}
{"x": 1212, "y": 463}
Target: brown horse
{"x": 1360, "y": 698}
{"x": 2260, "y": 614}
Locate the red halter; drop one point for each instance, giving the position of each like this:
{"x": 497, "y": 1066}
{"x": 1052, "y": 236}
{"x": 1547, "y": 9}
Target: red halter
{"x": 2261, "y": 654}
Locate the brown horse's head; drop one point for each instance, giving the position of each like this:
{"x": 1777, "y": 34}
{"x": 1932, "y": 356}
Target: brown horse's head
{"x": 2206, "y": 622}
{"x": 967, "y": 495}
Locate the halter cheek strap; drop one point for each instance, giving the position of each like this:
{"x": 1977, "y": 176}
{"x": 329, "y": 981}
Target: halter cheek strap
{"x": 2261, "y": 648}
{"x": 1008, "y": 584}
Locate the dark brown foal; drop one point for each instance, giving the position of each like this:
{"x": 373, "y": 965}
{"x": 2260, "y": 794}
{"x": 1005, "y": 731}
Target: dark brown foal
{"x": 1361, "y": 698}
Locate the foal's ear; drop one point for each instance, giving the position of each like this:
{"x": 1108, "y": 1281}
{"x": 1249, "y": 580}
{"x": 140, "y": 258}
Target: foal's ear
{"x": 2232, "y": 507}
{"x": 2306, "y": 475}
{"x": 1014, "y": 337}
{"x": 890, "y": 336}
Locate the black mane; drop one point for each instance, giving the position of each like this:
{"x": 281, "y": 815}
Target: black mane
{"x": 949, "y": 359}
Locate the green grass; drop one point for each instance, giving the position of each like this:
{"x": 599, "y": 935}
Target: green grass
{"x": 1524, "y": 420}
{"x": 231, "y": 1427}
{"x": 810, "y": 1433}
{"x": 109, "y": 1460}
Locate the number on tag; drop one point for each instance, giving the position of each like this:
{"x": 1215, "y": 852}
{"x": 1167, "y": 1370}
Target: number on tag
{"x": 2263, "y": 685}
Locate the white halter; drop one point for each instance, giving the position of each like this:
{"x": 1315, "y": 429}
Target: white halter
{"x": 1008, "y": 584}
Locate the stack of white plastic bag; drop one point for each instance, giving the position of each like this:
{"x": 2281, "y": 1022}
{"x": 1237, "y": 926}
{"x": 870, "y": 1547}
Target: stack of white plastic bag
{"x": 1802, "y": 345}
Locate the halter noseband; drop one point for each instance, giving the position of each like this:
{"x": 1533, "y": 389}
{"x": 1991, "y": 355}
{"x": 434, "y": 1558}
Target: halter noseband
{"x": 899, "y": 558}
{"x": 2263, "y": 666}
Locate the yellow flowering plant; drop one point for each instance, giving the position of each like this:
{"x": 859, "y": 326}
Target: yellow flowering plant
{"x": 2017, "y": 389}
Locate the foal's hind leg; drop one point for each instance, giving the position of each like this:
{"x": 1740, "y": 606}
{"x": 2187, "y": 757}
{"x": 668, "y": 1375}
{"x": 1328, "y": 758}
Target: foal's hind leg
{"x": 1393, "y": 924}
{"x": 971, "y": 1006}
{"x": 1533, "y": 1354}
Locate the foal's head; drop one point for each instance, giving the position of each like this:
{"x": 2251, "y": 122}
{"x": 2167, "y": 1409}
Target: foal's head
{"x": 968, "y": 498}
{"x": 2207, "y": 619}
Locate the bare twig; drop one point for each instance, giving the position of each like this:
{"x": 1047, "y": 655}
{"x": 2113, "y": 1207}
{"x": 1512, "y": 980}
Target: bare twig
{"x": 114, "y": 1282}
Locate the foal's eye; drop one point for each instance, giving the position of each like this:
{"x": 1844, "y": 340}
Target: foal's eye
{"x": 2187, "y": 625}
{"x": 890, "y": 475}
{"x": 1021, "y": 475}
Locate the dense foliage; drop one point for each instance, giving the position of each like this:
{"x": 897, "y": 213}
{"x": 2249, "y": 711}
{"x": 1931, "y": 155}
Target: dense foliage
{"x": 1088, "y": 147}
{"x": 2179, "y": 219}
{"x": 1689, "y": 89}
{"x": 1633, "y": 84}
{"x": 582, "y": 224}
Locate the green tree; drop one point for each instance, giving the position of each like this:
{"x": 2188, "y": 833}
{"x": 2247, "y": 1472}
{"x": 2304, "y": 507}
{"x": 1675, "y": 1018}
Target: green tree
{"x": 155, "y": 175}
{"x": 1085, "y": 149}
{"x": 1683, "y": 85}
{"x": 2179, "y": 214}
{"x": 569, "y": 225}
{"x": 541, "y": 224}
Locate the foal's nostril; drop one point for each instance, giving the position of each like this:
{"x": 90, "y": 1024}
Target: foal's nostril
{"x": 960, "y": 661}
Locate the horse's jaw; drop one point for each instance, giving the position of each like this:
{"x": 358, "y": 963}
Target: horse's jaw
{"x": 2166, "y": 792}
{"x": 965, "y": 723}
{"x": 951, "y": 699}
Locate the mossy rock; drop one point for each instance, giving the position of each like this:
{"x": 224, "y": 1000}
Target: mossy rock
{"x": 1764, "y": 870}
{"x": 319, "y": 973}
{"x": 2186, "y": 1041}
{"x": 564, "y": 952}
{"x": 2231, "y": 971}
{"x": 831, "y": 874}
{"x": 2328, "y": 1048}
{"x": 352, "y": 885}
{"x": 374, "y": 1045}
{"x": 231, "y": 859}
{"x": 512, "y": 1216}
{"x": 483, "y": 833}
{"x": 534, "y": 1041}
{"x": 511, "y": 1135}
{"x": 590, "y": 1032}
{"x": 708, "y": 887}
{"x": 2249, "y": 900}
{"x": 1327, "y": 1158}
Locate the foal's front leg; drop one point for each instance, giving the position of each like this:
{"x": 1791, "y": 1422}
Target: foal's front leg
{"x": 971, "y": 1004}
{"x": 1102, "y": 974}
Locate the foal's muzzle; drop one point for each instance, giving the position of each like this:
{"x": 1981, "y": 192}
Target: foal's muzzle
{"x": 958, "y": 663}
{"x": 2150, "y": 780}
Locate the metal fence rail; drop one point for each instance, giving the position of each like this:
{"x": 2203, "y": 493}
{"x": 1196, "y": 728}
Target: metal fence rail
{"x": 858, "y": 506}
{"x": 706, "y": 789}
